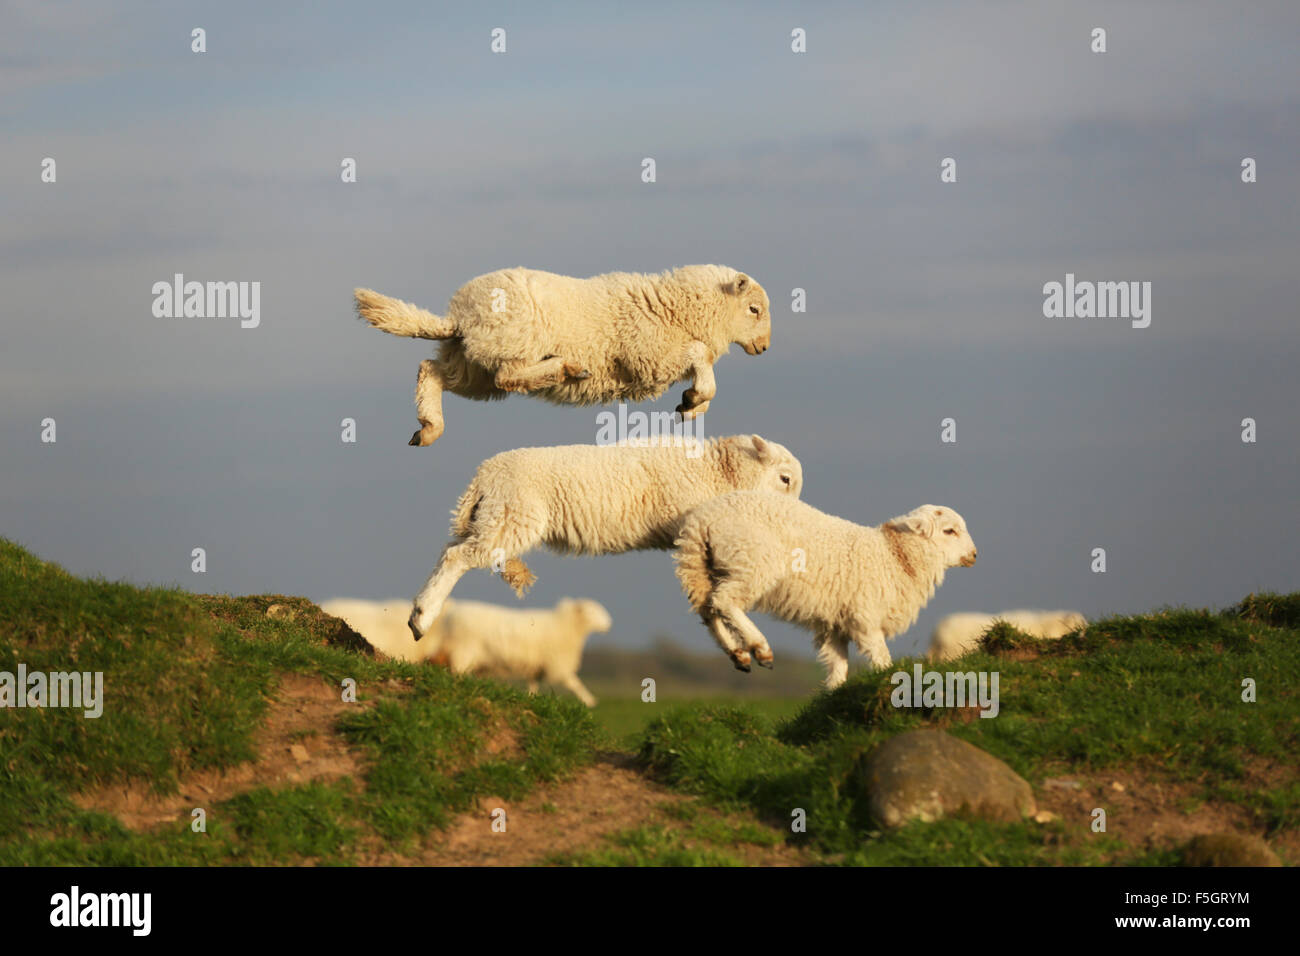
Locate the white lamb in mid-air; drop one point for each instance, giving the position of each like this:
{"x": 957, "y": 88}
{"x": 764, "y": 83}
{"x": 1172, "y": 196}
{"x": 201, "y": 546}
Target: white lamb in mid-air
{"x": 592, "y": 499}
{"x": 844, "y": 581}
{"x": 958, "y": 634}
{"x": 621, "y": 336}
{"x": 475, "y": 638}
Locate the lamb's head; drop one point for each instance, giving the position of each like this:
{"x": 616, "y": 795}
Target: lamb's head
{"x": 595, "y": 619}
{"x": 750, "y": 313}
{"x": 944, "y": 528}
{"x": 762, "y": 465}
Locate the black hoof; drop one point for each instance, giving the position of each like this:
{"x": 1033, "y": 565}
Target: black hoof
{"x": 415, "y": 439}
{"x": 767, "y": 664}
{"x": 741, "y": 667}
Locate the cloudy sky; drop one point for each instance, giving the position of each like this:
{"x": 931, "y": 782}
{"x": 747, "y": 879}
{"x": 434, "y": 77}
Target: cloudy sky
{"x": 817, "y": 170}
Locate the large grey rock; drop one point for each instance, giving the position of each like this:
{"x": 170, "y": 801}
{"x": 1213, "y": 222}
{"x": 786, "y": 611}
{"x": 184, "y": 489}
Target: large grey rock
{"x": 1228, "y": 849}
{"x": 926, "y": 775}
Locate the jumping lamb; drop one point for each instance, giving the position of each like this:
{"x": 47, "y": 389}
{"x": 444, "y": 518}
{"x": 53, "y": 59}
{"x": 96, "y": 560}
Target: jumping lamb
{"x": 957, "y": 634}
{"x": 475, "y": 638}
{"x": 621, "y": 336}
{"x": 843, "y": 581}
{"x": 593, "y": 499}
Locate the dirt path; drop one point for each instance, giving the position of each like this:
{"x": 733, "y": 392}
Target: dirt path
{"x": 573, "y": 816}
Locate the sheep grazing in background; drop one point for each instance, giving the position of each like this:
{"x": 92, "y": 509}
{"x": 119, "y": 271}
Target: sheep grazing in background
{"x": 496, "y": 641}
{"x": 483, "y": 639}
{"x": 844, "y": 581}
{"x": 616, "y": 337}
{"x": 592, "y": 499}
{"x": 957, "y": 634}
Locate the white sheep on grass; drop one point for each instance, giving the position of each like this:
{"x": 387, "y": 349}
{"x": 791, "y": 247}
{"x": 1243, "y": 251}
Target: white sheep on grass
{"x": 844, "y": 581}
{"x": 592, "y": 499}
{"x": 616, "y": 337}
{"x": 958, "y": 634}
{"x": 483, "y": 639}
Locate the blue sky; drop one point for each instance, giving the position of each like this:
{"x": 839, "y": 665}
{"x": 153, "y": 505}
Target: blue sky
{"x": 817, "y": 171}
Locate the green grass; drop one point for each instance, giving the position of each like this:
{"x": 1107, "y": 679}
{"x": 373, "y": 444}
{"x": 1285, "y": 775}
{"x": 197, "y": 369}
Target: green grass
{"x": 1161, "y": 692}
{"x": 626, "y": 719}
{"x": 186, "y": 683}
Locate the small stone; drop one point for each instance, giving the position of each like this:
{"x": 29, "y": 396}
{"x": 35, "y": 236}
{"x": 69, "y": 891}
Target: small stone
{"x": 299, "y": 753}
{"x": 1045, "y": 816}
{"x": 280, "y": 612}
{"x": 1117, "y": 786}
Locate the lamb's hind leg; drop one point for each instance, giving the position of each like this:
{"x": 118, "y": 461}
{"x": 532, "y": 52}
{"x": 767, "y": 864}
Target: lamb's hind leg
{"x": 727, "y": 603}
{"x": 524, "y": 377}
{"x": 731, "y": 645}
{"x": 429, "y": 386}
{"x": 455, "y": 561}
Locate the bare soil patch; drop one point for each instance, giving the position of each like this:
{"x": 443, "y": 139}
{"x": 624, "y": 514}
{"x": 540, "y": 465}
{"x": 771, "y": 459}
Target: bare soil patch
{"x": 296, "y": 744}
{"x": 573, "y": 816}
{"x": 1149, "y": 811}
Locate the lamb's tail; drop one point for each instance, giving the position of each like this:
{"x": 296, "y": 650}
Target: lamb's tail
{"x": 694, "y": 558}
{"x": 401, "y": 318}
{"x": 462, "y": 520}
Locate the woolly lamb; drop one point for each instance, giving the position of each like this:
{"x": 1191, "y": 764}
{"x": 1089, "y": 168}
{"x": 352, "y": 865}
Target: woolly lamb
{"x": 616, "y": 337}
{"x": 957, "y": 634}
{"x": 844, "y": 581}
{"x": 475, "y": 638}
{"x": 592, "y": 499}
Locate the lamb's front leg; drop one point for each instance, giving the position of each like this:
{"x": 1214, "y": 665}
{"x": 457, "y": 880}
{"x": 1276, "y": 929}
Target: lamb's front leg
{"x": 578, "y": 688}
{"x": 695, "y": 400}
{"x": 833, "y": 652}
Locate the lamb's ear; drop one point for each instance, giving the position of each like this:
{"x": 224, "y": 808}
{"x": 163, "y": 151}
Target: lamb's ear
{"x": 739, "y": 284}
{"x": 762, "y": 448}
{"x": 920, "y": 521}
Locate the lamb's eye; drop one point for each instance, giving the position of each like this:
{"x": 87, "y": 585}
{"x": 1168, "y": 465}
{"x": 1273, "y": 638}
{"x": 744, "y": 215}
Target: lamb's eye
{"x": 753, "y": 310}
{"x": 785, "y": 479}
{"x": 949, "y": 530}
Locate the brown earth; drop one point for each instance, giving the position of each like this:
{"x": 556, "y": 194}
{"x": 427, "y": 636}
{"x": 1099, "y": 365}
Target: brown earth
{"x": 296, "y": 744}
{"x": 1147, "y": 809}
{"x": 571, "y": 817}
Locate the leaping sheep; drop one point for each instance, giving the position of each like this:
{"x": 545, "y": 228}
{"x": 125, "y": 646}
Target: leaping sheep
{"x": 621, "y": 336}
{"x": 843, "y": 581}
{"x": 593, "y": 499}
